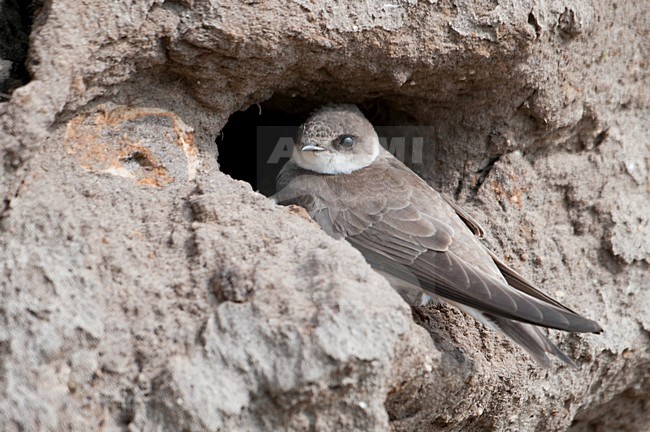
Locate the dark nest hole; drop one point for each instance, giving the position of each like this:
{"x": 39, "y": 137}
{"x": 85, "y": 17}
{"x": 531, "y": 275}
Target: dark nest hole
{"x": 255, "y": 143}
{"x": 16, "y": 20}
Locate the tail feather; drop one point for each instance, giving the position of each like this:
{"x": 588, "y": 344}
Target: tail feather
{"x": 527, "y": 336}
{"x": 531, "y": 339}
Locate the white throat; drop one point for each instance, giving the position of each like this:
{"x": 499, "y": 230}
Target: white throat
{"x": 333, "y": 162}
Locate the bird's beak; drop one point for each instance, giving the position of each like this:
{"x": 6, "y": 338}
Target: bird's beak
{"x": 311, "y": 147}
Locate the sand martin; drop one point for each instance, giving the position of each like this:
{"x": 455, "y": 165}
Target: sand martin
{"x": 426, "y": 246}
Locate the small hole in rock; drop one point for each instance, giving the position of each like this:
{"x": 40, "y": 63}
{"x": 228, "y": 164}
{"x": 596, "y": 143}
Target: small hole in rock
{"x": 140, "y": 158}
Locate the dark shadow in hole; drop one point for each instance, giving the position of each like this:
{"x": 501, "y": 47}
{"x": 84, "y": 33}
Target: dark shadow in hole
{"x": 16, "y": 20}
{"x": 256, "y": 143}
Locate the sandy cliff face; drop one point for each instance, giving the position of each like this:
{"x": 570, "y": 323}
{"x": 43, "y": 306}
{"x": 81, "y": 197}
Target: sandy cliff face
{"x": 144, "y": 289}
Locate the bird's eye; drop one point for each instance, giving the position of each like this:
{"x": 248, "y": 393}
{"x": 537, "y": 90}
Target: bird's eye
{"x": 346, "y": 141}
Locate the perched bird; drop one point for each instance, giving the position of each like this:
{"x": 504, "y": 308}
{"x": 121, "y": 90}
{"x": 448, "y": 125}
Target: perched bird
{"x": 426, "y": 246}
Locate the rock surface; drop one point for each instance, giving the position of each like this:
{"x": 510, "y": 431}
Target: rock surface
{"x": 143, "y": 289}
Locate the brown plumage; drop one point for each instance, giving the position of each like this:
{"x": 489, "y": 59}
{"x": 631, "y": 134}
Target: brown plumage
{"x": 409, "y": 233}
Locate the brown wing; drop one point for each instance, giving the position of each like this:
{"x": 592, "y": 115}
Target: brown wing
{"x": 513, "y": 278}
{"x": 419, "y": 230}
{"x": 517, "y": 281}
{"x": 447, "y": 275}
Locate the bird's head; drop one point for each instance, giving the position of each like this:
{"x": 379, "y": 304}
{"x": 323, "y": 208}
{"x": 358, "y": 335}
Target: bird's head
{"x": 336, "y": 139}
